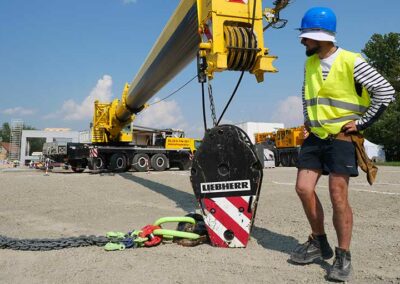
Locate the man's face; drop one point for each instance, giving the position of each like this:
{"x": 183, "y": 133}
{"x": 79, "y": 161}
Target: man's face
{"x": 312, "y": 46}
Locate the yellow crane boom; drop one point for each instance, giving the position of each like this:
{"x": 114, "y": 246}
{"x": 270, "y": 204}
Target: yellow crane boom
{"x": 227, "y": 34}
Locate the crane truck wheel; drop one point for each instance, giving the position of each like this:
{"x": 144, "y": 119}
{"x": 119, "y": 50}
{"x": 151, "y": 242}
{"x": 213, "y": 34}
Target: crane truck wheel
{"x": 78, "y": 166}
{"x": 293, "y": 160}
{"x": 276, "y": 157}
{"x": 159, "y": 162}
{"x": 118, "y": 162}
{"x": 285, "y": 159}
{"x": 97, "y": 163}
{"x": 140, "y": 162}
{"x": 185, "y": 163}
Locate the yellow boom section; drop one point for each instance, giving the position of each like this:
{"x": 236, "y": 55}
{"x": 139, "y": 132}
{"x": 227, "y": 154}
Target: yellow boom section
{"x": 218, "y": 30}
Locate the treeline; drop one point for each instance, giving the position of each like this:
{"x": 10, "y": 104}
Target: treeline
{"x": 383, "y": 53}
{"x": 5, "y": 131}
{"x": 36, "y": 145}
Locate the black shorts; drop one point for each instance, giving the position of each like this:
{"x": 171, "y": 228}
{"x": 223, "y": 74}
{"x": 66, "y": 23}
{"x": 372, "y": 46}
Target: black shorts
{"x": 329, "y": 155}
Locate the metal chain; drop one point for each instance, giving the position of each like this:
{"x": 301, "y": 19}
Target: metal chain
{"x": 51, "y": 244}
{"x": 212, "y": 105}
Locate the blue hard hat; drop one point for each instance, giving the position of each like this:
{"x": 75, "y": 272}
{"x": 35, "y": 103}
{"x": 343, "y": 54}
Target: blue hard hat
{"x": 320, "y": 18}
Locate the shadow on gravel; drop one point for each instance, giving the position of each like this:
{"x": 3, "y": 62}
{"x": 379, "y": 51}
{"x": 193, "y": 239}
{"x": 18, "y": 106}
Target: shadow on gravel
{"x": 65, "y": 172}
{"x": 183, "y": 200}
{"x": 274, "y": 241}
{"x": 281, "y": 243}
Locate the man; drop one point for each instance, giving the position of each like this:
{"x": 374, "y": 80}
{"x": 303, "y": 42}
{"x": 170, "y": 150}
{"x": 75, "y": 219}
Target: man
{"x": 342, "y": 94}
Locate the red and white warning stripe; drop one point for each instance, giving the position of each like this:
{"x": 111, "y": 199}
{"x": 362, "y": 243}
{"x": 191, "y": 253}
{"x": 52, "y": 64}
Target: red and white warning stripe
{"x": 93, "y": 153}
{"x": 228, "y": 214}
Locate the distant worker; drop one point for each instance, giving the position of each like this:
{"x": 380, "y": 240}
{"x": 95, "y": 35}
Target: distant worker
{"x": 46, "y": 166}
{"x": 342, "y": 94}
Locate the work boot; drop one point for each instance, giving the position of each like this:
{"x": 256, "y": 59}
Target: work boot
{"x": 315, "y": 248}
{"x": 341, "y": 268}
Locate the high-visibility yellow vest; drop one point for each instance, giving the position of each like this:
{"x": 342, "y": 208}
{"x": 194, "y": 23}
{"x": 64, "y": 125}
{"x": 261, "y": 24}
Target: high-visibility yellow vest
{"x": 333, "y": 102}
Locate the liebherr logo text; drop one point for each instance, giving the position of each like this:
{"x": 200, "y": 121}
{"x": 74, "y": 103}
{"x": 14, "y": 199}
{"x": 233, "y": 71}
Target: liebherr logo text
{"x": 225, "y": 186}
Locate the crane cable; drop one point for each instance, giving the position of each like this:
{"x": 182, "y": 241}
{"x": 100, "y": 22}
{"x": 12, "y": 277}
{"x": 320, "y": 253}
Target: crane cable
{"x": 242, "y": 73}
{"x": 174, "y": 92}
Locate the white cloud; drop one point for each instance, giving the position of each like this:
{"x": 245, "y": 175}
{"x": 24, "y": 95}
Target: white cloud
{"x": 72, "y": 110}
{"x": 289, "y": 111}
{"x": 18, "y": 111}
{"x": 195, "y": 131}
{"x": 130, "y": 1}
{"x": 163, "y": 114}
{"x": 50, "y": 116}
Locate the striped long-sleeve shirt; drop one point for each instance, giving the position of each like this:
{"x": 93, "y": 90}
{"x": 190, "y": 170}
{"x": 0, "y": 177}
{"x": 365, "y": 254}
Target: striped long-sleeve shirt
{"x": 379, "y": 89}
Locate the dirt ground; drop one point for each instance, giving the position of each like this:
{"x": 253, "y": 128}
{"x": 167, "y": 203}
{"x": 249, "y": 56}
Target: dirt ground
{"x": 64, "y": 204}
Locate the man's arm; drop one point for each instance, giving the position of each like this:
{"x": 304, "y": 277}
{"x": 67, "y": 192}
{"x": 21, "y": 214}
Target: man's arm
{"x": 380, "y": 90}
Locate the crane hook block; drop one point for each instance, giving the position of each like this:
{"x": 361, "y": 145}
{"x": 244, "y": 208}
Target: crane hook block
{"x": 232, "y": 38}
{"x": 226, "y": 177}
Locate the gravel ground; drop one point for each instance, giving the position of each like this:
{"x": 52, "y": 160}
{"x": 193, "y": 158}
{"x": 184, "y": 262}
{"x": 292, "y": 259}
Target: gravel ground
{"x": 64, "y": 204}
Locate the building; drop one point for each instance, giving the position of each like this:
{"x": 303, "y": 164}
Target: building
{"x": 252, "y": 128}
{"x": 50, "y": 135}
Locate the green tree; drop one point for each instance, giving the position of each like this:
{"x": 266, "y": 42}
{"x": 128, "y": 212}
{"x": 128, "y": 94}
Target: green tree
{"x": 383, "y": 53}
{"x": 5, "y": 132}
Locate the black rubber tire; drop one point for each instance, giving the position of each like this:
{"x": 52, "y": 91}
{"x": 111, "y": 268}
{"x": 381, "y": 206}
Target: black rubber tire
{"x": 140, "y": 162}
{"x": 276, "y": 158}
{"x": 159, "y": 162}
{"x": 77, "y": 166}
{"x": 285, "y": 162}
{"x": 118, "y": 162}
{"x": 293, "y": 159}
{"x": 97, "y": 163}
{"x": 128, "y": 164}
{"x": 77, "y": 169}
{"x": 184, "y": 165}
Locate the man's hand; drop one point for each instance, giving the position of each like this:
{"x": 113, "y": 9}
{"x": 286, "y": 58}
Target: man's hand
{"x": 307, "y": 125}
{"x": 306, "y": 129}
{"x": 349, "y": 127}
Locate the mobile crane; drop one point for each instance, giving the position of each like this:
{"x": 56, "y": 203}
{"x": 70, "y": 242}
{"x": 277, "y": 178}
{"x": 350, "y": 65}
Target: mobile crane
{"x": 223, "y": 35}
{"x": 284, "y": 143}
{"x": 141, "y": 148}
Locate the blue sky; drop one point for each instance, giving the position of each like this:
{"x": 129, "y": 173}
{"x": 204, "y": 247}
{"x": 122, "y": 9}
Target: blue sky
{"x": 56, "y": 56}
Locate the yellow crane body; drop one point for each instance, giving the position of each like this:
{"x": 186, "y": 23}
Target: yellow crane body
{"x": 182, "y": 143}
{"x": 285, "y": 144}
{"x": 289, "y": 137}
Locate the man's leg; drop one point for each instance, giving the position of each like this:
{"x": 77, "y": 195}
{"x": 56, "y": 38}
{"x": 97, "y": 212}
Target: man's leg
{"x": 305, "y": 188}
{"x": 317, "y": 245}
{"x": 342, "y": 213}
{"x": 343, "y": 222}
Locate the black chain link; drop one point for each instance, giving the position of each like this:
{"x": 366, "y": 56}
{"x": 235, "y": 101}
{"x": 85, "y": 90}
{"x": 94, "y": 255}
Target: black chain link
{"x": 212, "y": 105}
{"x": 51, "y": 244}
